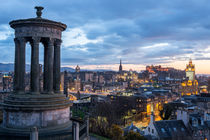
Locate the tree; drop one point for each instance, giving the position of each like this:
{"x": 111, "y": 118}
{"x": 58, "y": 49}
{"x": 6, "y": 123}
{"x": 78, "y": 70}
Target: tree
{"x": 99, "y": 126}
{"x": 105, "y": 114}
{"x": 116, "y": 133}
{"x": 166, "y": 111}
{"x": 113, "y": 111}
{"x": 134, "y": 136}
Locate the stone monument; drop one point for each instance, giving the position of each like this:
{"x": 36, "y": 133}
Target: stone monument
{"x": 48, "y": 111}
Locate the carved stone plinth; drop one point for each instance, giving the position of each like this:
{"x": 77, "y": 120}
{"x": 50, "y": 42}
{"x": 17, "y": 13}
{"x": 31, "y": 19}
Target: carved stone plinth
{"x": 49, "y": 113}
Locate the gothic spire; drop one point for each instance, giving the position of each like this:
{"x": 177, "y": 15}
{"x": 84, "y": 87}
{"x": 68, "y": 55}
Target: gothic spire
{"x": 120, "y": 67}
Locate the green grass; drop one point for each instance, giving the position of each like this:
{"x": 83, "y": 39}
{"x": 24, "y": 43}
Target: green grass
{"x": 78, "y": 113}
{"x": 98, "y": 137}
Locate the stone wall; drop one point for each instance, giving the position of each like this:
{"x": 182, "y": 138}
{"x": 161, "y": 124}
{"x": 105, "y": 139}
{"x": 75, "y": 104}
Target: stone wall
{"x": 47, "y": 118}
{"x": 37, "y": 31}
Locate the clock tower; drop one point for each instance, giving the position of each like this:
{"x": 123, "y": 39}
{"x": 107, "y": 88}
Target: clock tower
{"x": 190, "y": 71}
{"x": 189, "y": 85}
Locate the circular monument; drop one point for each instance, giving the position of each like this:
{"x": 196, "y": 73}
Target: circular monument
{"x": 48, "y": 110}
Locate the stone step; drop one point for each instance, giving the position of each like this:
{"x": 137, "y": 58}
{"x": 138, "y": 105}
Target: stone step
{"x": 35, "y": 107}
{"x": 34, "y": 102}
{"x": 34, "y": 97}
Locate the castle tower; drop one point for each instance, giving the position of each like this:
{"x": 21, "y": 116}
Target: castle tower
{"x": 48, "y": 110}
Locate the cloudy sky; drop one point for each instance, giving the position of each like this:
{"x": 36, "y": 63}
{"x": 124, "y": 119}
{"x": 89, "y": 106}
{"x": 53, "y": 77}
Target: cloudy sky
{"x": 101, "y": 32}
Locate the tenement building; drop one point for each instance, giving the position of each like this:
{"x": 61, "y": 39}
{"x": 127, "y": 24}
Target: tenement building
{"x": 26, "y": 111}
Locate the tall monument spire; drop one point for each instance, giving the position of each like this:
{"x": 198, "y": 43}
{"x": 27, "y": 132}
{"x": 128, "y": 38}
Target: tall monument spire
{"x": 120, "y": 67}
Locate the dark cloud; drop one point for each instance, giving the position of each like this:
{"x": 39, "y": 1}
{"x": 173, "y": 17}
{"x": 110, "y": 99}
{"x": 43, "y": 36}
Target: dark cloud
{"x": 73, "y": 60}
{"x": 124, "y": 27}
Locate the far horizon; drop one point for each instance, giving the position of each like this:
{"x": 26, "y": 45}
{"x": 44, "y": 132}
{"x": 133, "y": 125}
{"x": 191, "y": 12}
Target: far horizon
{"x": 200, "y": 66}
{"x": 181, "y": 65}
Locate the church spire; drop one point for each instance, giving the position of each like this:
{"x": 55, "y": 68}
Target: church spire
{"x": 120, "y": 67}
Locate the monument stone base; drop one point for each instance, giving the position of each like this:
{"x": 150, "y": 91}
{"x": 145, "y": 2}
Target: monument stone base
{"x": 49, "y": 113}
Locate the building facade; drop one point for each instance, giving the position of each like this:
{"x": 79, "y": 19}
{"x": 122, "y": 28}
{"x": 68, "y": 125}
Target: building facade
{"x": 190, "y": 85}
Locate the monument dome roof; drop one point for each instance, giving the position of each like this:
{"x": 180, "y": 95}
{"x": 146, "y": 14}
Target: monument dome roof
{"x": 38, "y": 21}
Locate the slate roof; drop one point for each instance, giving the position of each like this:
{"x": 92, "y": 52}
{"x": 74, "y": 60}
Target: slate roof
{"x": 199, "y": 126}
{"x": 133, "y": 128}
{"x": 168, "y": 128}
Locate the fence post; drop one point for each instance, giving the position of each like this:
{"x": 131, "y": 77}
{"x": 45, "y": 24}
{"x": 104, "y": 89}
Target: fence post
{"x": 34, "y": 134}
{"x": 75, "y": 131}
{"x": 87, "y": 123}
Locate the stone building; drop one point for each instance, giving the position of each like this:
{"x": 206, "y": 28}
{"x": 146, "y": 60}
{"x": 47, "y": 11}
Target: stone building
{"x": 167, "y": 130}
{"x": 77, "y": 80}
{"x": 7, "y": 82}
{"x": 190, "y": 84}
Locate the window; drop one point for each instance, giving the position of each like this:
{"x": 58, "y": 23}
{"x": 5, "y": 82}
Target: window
{"x": 148, "y": 129}
{"x": 152, "y": 131}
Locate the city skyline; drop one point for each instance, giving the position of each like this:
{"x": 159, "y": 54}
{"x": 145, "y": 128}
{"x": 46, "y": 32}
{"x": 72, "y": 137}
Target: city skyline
{"x": 100, "y": 33}
{"x": 181, "y": 65}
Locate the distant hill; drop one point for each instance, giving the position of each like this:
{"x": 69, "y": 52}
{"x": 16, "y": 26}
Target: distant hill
{"x": 73, "y": 70}
{"x": 10, "y": 67}
{"x": 6, "y": 67}
{"x": 67, "y": 69}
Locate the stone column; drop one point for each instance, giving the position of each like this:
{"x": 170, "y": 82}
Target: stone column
{"x": 17, "y": 63}
{"x": 48, "y": 66}
{"x": 35, "y": 64}
{"x": 45, "y": 66}
{"x": 65, "y": 90}
{"x": 21, "y": 66}
{"x": 56, "y": 67}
